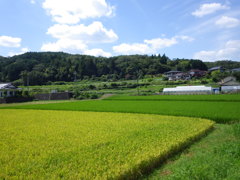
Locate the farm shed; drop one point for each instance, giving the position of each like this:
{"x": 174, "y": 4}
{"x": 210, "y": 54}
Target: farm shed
{"x": 229, "y": 81}
{"x": 188, "y": 90}
{"x": 218, "y": 68}
{"x": 7, "y": 90}
{"x": 235, "y": 70}
{"x": 53, "y": 96}
{"x": 229, "y": 89}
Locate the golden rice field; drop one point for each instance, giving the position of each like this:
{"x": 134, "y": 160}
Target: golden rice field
{"x": 45, "y": 144}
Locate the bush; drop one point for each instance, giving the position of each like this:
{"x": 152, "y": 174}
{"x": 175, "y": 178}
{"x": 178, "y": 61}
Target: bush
{"x": 91, "y": 87}
{"x": 18, "y": 82}
{"x": 85, "y": 95}
{"x": 204, "y": 81}
{"x": 59, "y": 83}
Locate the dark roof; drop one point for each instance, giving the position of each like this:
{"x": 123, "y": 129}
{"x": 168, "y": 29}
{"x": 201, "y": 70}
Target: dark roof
{"x": 215, "y": 68}
{"x": 236, "y": 70}
{"x": 172, "y": 72}
{"x": 196, "y": 70}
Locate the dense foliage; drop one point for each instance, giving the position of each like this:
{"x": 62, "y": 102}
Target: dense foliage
{"x": 225, "y": 64}
{"x": 41, "y": 68}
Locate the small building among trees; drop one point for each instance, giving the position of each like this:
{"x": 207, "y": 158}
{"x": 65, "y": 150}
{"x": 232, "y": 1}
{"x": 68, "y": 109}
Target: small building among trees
{"x": 229, "y": 81}
{"x": 7, "y": 90}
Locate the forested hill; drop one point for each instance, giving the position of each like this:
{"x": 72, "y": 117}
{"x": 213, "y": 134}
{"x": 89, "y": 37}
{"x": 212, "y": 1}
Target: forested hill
{"x": 43, "y": 67}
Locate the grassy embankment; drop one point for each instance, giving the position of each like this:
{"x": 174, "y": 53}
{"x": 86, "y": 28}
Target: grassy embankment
{"x": 216, "y": 156}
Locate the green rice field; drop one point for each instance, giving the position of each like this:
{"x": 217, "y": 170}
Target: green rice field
{"x": 221, "y": 111}
{"x": 216, "y": 98}
{"x": 37, "y": 144}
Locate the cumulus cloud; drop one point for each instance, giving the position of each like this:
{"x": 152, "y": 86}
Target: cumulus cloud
{"x": 97, "y": 52}
{"x": 135, "y": 48}
{"x": 94, "y": 33}
{"x": 77, "y": 37}
{"x": 149, "y": 46}
{"x": 22, "y": 51}
{"x": 209, "y": 8}
{"x": 227, "y": 22}
{"x": 231, "y": 51}
{"x": 160, "y": 43}
{"x": 72, "y": 11}
{"x": 64, "y": 45}
{"x": 8, "y": 41}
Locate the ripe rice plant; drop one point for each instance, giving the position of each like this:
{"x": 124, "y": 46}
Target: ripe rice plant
{"x": 37, "y": 144}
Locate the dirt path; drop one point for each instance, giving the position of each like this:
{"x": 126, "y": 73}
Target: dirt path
{"x": 106, "y": 96}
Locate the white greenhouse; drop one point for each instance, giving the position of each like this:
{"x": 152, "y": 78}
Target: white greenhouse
{"x": 228, "y": 89}
{"x": 188, "y": 90}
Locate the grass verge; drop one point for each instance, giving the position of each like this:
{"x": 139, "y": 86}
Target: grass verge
{"x": 217, "y": 156}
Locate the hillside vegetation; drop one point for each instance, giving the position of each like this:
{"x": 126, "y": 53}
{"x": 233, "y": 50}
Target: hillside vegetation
{"x": 46, "y": 67}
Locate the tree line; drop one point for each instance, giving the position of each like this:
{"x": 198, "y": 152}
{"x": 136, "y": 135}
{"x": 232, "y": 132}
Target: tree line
{"x": 38, "y": 68}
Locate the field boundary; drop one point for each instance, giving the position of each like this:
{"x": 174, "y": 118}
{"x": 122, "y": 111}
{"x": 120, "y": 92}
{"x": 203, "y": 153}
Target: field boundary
{"x": 146, "y": 169}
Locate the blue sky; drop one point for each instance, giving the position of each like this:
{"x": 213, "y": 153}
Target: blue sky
{"x": 203, "y": 29}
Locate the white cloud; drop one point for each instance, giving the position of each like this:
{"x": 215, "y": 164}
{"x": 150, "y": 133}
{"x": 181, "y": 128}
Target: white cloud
{"x": 75, "y": 38}
{"x": 185, "y": 38}
{"x": 94, "y": 33}
{"x": 72, "y": 11}
{"x": 231, "y": 51}
{"x": 97, "y": 52}
{"x": 33, "y": 2}
{"x": 209, "y": 8}
{"x": 227, "y": 22}
{"x": 149, "y": 46}
{"x": 7, "y": 41}
{"x": 23, "y": 50}
{"x": 64, "y": 45}
{"x": 135, "y": 48}
{"x": 160, "y": 43}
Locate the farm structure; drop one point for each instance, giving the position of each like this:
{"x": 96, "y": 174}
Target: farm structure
{"x": 178, "y": 75}
{"x": 235, "y": 70}
{"x": 188, "y": 90}
{"x": 53, "y": 96}
{"x": 7, "y": 90}
{"x": 230, "y": 89}
{"x": 229, "y": 81}
{"x": 218, "y": 68}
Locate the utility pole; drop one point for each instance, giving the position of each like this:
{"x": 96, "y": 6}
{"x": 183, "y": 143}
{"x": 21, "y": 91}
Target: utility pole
{"x": 28, "y": 82}
{"x": 138, "y": 74}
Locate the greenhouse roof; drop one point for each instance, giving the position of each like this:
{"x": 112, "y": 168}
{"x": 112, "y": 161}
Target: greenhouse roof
{"x": 187, "y": 89}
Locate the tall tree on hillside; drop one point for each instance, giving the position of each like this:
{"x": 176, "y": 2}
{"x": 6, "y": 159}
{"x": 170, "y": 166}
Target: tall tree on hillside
{"x": 164, "y": 59}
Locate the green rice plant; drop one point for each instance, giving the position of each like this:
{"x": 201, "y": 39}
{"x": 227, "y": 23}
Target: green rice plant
{"x": 48, "y": 144}
{"x": 214, "y": 97}
{"x": 222, "y": 112}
